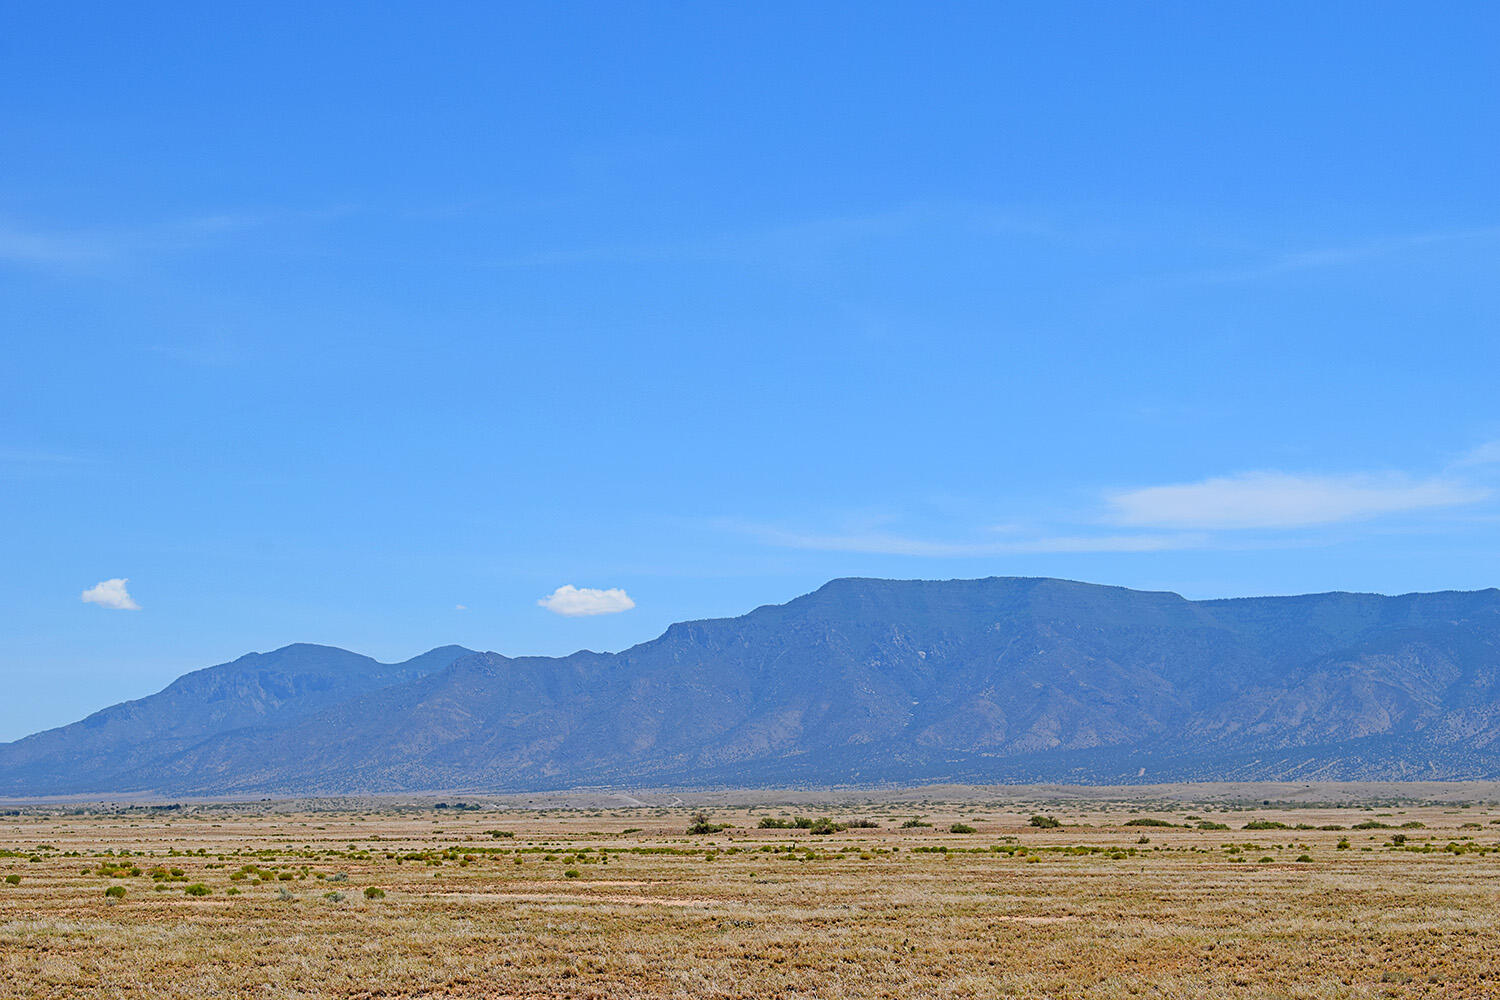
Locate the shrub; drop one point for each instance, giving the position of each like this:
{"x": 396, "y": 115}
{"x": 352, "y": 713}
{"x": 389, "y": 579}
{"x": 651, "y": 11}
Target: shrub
{"x": 1264, "y": 824}
{"x": 572, "y": 873}
{"x": 1209, "y": 824}
{"x": 115, "y": 892}
{"x": 500, "y": 834}
{"x": 823, "y": 826}
{"x": 1304, "y": 857}
{"x": 12, "y": 880}
{"x": 373, "y": 893}
{"x": 1044, "y": 822}
{"x": 913, "y": 824}
{"x": 1149, "y": 821}
{"x": 1343, "y": 844}
{"x": 702, "y": 825}
{"x": 197, "y": 889}
{"x": 1372, "y": 824}
{"x": 862, "y": 824}
{"x": 962, "y": 828}
{"x": 772, "y": 823}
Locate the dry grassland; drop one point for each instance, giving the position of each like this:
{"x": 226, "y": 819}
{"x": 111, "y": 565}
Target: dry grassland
{"x": 501, "y": 901}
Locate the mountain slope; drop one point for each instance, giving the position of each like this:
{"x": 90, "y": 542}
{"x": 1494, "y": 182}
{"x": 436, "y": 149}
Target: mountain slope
{"x": 258, "y": 690}
{"x": 869, "y": 680}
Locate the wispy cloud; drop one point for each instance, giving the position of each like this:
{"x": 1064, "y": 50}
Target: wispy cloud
{"x": 575, "y": 602}
{"x": 111, "y": 594}
{"x": 1486, "y": 454}
{"x": 1282, "y": 500}
{"x": 1341, "y": 256}
{"x": 1253, "y": 509}
{"x": 81, "y": 247}
{"x": 880, "y": 543}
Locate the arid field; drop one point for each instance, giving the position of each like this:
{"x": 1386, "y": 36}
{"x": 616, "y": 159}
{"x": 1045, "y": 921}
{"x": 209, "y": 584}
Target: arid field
{"x": 1289, "y": 891}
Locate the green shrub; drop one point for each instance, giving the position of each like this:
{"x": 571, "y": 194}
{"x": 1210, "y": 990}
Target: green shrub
{"x": 1209, "y": 824}
{"x": 1149, "y": 821}
{"x": 823, "y": 826}
{"x": 572, "y": 873}
{"x": 1264, "y": 824}
{"x": 913, "y": 824}
{"x": 702, "y": 825}
{"x": 12, "y": 880}
{"x": 772, "y": 823}
{"x": 1372, "y": 824}
{"x": 197, "y": 889}
{"x": 1304, "y": 857}
{"x": 115, "y": 892}
{"x": 1044, "y": 822}
{"x": 373, "y": 893}
{"x": 962, "y": 828}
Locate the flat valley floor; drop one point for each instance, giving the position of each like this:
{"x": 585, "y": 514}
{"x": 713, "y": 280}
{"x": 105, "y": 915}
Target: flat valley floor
{"x": 1295, "y": 891}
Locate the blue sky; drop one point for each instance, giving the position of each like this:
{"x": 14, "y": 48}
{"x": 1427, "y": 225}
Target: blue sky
{"x": 376, "y": 325}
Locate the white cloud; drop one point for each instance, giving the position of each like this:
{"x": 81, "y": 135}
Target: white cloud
{"x": 579, "y": 601}
{"x": 1282, "y": 500}
{"x": 460, "y": 607}
{"x": 111, "y": 594}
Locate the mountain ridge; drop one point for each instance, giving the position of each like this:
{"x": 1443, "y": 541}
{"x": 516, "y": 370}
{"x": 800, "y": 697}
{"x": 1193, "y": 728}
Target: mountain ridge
{"x": 1001, "y": 678}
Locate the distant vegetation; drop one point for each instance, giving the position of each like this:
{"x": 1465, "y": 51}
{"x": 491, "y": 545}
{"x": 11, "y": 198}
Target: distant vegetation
{"x": 702, "y": 824}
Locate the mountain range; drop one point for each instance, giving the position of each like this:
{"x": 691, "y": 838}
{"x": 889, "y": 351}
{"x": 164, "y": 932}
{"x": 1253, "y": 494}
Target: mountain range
{"x": 860, "y": 682}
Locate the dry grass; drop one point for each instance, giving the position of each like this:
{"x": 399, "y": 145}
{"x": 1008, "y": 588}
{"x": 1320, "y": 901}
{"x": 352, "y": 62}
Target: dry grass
{"x": 1083, "y": 911}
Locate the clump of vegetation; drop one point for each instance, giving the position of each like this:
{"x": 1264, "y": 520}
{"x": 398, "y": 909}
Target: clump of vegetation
{"x": 913, "y": 824}
{"x": 500, "y": 834}
{"x": 1149, "y": 821}
{"x": 702, "y": 824}
{"x": 197, "y": 889}
{"x": 1304, "y": 857}
{"x": 115, "y": 892}
{"x": 12, "y": 880}
{"x": 572, "y": 873}
{"x": 1209, "y": 824}
{"x": 1264, "y": 824}
{"x": 1044, "y": 822}
{"x": 373, "y": 893}
{"x": 962, "y": 828}
{"x": 1371, "y": 824}
{"x": 772, "y": 823}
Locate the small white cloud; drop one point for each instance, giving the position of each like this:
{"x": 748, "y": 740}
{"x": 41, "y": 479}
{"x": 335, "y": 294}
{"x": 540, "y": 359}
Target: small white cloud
{"x": 579, "y": 601}
{"x": 1282, "y": 500}
{"x": 111, "y": 594}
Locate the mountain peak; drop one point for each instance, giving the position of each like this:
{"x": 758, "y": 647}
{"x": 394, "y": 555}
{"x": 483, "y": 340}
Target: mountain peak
{"x": 1008, "y": 679}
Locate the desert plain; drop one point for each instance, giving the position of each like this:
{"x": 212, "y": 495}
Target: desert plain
{"x": 1212, "y": 891}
